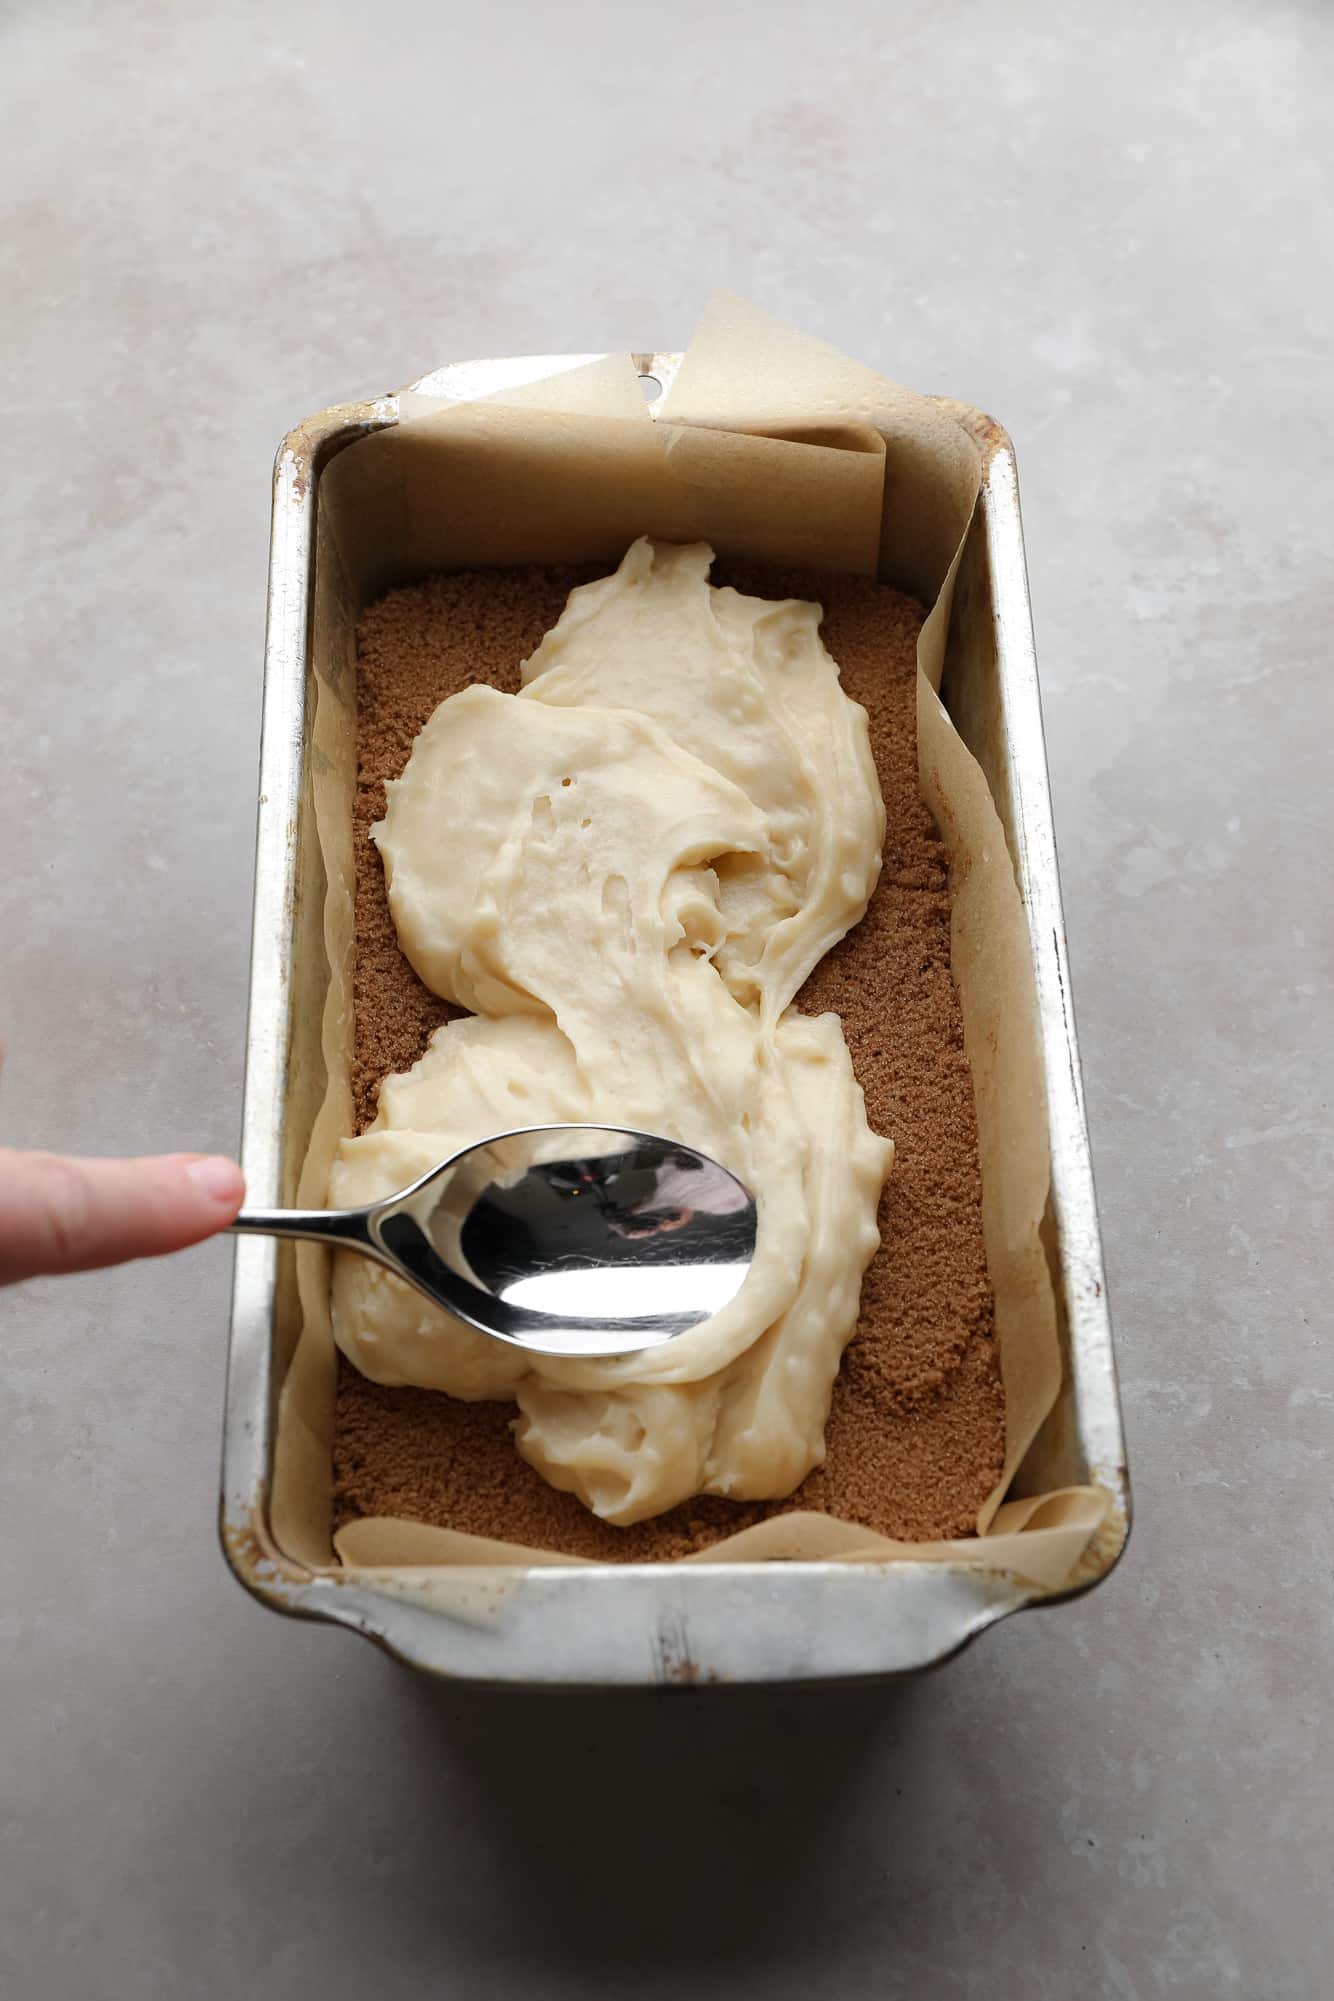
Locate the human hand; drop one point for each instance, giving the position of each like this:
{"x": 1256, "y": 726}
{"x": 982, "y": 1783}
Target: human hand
{"x": 59, "y": 1215}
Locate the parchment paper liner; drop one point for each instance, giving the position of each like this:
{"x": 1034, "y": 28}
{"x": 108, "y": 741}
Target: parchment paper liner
{"x": 773, "y": 446}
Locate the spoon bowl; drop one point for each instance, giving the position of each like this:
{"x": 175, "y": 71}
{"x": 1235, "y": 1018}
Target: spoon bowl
{"x": 566, "y": 1240}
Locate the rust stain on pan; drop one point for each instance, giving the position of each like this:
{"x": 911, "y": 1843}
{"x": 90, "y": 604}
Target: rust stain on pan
{"x": 984, "y": 430}
{"x": 256, "y": 1559}
{"x": 674, "y": 1665}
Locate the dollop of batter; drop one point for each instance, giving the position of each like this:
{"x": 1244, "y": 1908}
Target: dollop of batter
{"x": 626, "y": 872}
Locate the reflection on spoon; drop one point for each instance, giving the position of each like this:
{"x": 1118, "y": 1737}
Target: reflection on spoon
{"x": 568, "y": 1240}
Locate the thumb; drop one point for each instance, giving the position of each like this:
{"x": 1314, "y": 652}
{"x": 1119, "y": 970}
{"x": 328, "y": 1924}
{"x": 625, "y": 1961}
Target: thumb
{"x": 60, "y": 1215}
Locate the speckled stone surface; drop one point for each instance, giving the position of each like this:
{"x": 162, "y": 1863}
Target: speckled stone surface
{"x": 1109, "y": 227}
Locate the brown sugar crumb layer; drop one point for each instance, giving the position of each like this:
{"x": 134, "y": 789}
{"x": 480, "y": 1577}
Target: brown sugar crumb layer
{"x": 916, "y": 1433}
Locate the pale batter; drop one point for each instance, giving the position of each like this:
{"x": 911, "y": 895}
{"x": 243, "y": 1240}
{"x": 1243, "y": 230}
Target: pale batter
{"x": 627, "y": 872}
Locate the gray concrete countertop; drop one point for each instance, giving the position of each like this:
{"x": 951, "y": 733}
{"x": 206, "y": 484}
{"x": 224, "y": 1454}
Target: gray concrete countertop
{"x": 1108, "y": 226}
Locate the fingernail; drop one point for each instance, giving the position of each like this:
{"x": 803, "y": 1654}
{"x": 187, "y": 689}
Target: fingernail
{"x": 219, "y": 1179}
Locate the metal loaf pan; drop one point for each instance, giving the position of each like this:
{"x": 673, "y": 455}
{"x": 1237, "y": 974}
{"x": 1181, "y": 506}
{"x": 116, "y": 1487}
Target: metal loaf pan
{"x": 643, "y": 1623}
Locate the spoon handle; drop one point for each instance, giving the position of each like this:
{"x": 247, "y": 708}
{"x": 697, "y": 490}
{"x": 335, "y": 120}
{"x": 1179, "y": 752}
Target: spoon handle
{"x": 324, "y": 1226}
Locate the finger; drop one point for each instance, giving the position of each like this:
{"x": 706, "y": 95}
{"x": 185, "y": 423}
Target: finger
{"x": 59, "y": 1215}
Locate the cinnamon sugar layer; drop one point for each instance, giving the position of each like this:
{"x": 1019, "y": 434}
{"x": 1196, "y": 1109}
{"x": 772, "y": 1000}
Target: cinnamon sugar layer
{"x": 916, "y": 1431}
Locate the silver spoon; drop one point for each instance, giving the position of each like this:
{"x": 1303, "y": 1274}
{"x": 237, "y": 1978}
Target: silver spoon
{"x": 569, "y": 1240}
